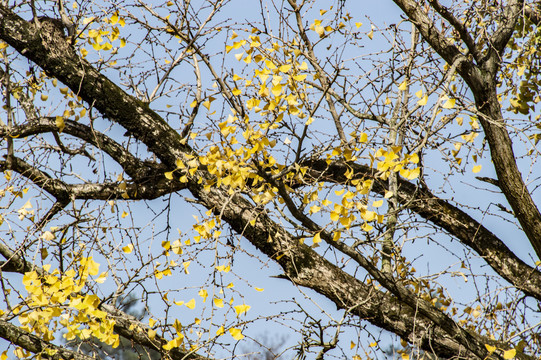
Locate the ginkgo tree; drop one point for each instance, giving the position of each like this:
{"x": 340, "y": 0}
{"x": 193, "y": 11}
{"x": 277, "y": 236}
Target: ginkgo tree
{"x": 381, "y": 165}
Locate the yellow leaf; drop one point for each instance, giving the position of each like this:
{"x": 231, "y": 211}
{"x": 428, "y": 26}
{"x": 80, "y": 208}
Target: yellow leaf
{"x": 317, "y": 238}
{"x": 320, "y": 30}
{"x": 88, "y": 20}
{"x": 299, "y": 77}
{"x": 403, "y": 86}
{"x": 90, "y": 265}
{"x": 423, "y": 101}
{"x": 449, "y": 104}
{"x": 410, "y": 174}
{"x": 509, "y": 354}
{"x": 414, "y": 159}
{"x": 101, "y": 279}
{"x": 169, "y": 175}
{"x": 152, "y": 334}
{"x": 370, "y": 34}
{"x": 285, "y": 68}
{"x": 44, "y": 97}
{"x": 277, "y": 89}
{"x": 239, "y": 309}
{"x": 178, "y": 326}
{"x": 204, "y": 294}
{"x": 114, "y": 19}
{"x": 186, "y": 264}
{"x": 175, "y": 343}
{"x": 490, "y": 348}
{"x": 259, "y": 289}
{"x": 218, "y": 302}
{"x": 47, "y": 236}
{"x": 236, "y": 333}
{"x": 190, "y": 304}
{"x": 60, "y": 123}
{"x": 208, "y": 102}
{"x": 128, "y": 249}
{"x": 124, "y": 214}
{"x": 270, "y": 64}
{"x": 419, "y": 93}
{"x": 358, "y": 24}
{"x": 377, "y": 204}
{"x": 363, "y": 138}
{"x": 476, "y": 168}
{"x": 220, "y": 331}
{"x": 367, "y": 227}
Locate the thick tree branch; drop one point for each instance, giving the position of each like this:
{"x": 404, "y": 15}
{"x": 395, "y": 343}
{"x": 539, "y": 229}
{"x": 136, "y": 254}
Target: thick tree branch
{"x": 440, "y": 212}
{"x": 34, "y": 344}
{"x": 148, "y": 190}
{"x": 124, "y": 323}
{"x": 56, "y": 56}
{"x": 430, "y": 32}
{"x": 472, "y": 342}
{"x": 138, "y": 170}
{"x": 483, "y": 85}
{"x": 459, "y": 27}
{"x": 512, "y": 11}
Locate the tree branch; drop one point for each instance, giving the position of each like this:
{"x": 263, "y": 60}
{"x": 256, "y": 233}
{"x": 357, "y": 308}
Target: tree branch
{"x": 441, "y": 213}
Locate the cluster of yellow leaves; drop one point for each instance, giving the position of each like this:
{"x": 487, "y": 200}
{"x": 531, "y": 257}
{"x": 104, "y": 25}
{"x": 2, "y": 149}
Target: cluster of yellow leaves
{"x": 75, "y": 108}
{"x": 326, "y": 30}
{"x": 352, "y": 204}
{"x": 391, "y": 161}
{"x": 278, "y": 77}
{"x": 26, "y": 211}
{"x": 104, "y": 37}
{"x": 468, "y": 137}
{"x": 522, "y": 75}
{"x": 184, "y": 167}
{"x": 3, "y": 47}
{"x": 55, "y": 299}
{"x": 179, "y": 338}
{"x": 207, "y": 229}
